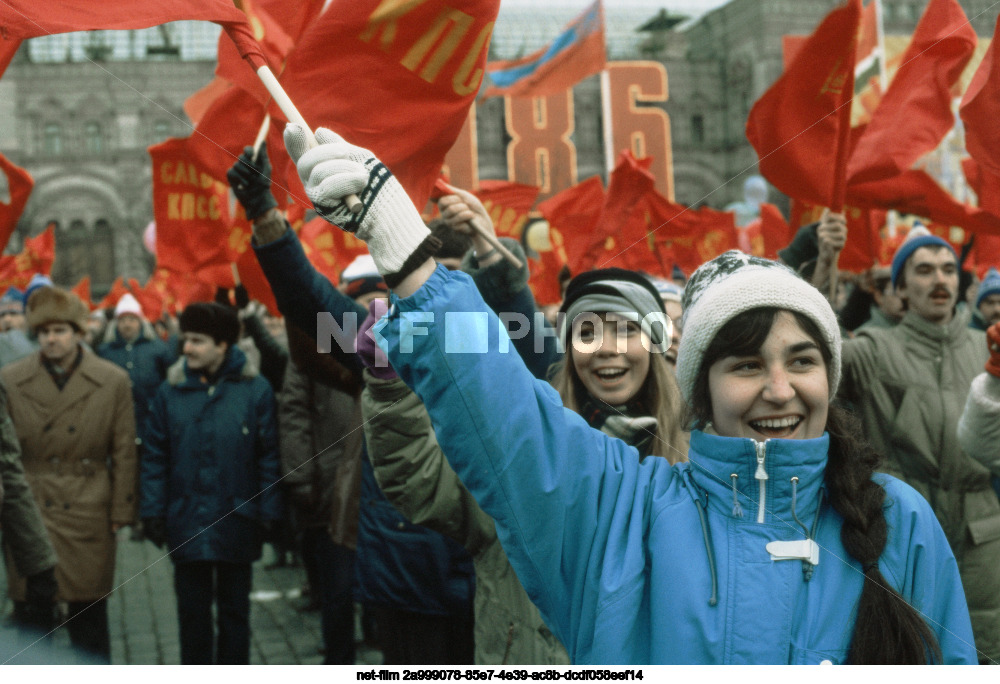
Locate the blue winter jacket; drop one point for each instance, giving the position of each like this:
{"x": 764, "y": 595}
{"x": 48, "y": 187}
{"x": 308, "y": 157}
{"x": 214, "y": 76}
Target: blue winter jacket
{"x": 211, "y": 465}
{"x": 146, "y": 360}
{"x": 635, "y": 562}
{"x": 399, "y": 565}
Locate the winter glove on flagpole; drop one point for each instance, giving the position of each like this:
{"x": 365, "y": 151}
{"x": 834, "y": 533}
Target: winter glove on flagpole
{"x": 250, "y": 179}
{"x": 397, "y": 238}
{"x": 993, "y": 344}
{"x": 373, "y": 358}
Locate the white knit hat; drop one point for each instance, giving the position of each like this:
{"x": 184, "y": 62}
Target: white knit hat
{"x": 735, "y": 282}
{"x": 128, "y": 305}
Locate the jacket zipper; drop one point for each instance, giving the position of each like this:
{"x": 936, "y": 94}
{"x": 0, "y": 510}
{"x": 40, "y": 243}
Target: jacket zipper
{"x": 761, "y": 477}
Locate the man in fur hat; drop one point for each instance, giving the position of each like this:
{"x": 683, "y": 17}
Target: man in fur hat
{"x": 209, "y": 482}
{"x": 74, "y": 420}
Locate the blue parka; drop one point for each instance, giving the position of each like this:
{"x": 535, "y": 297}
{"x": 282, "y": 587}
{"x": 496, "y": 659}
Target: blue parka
{"x": 641, "y": 562}
{"x": 211, "y": 465}
{"x": 145, "y": 359}
{"x": 399, "y": 565}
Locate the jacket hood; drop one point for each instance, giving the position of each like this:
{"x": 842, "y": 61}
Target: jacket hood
{"x": 112, "y": 337}
{"x": 713, "y": 460}
{"x": 236, "y": 366}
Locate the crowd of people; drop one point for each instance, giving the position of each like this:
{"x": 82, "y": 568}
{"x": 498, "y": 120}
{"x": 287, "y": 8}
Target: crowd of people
{"x": 731, "y": 469}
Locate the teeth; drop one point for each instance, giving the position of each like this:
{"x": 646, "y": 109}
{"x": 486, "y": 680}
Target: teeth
{"x": 775, "y": 423}
{"x": 611, "y": 372}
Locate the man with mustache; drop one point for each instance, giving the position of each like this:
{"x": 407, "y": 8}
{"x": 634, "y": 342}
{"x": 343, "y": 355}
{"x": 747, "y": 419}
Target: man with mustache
{"x": 909, "y": 384}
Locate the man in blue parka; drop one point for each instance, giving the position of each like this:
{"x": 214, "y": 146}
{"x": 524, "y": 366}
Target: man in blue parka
{"x": 208, "y": 482}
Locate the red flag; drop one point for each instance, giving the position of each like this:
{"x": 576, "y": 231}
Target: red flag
{"x": 30, "y": 18}
{"x": 573, "y": 213}
{"x": 575, "y": 54}
{"x": 863, "y": 242}
{"x": 979, "y": 109}
{"x": 619, "y": 238}
{"x": 19, "y": 184}
{"x": 198, "y": 103}
{"x": 800, "y": 126}
{"x": 984, "y": 183}
{"x": 687, "y": 237}
{"x": 508, "y": 205}
{"x": 118, "y": 288}
{"x": 272, "y": 38}
{"x": 82, "y": 290}
{"x": 774, "y": 230}
{"x": 191, "y": 211}
{"x": 428, "y": 57}
{"x": 915, "y": 113}
{"x": 915, "y": 192}
{"x": 329, "y": 249}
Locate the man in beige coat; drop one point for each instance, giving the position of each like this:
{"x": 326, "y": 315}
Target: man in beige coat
{"x": 74, "y": 419}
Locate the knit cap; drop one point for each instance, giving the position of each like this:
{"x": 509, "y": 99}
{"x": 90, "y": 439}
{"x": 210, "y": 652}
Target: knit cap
{"x": 12, "y": 300}
{"x": 128, "y": 305}
{"x": 733, "y": 283}
{"x": 38, "y": 280}
{"x": 918, "y": 237}
{"x": 215, "y": 320}
{"x": 989, "y": 286}
{"x": 616, "y": 290}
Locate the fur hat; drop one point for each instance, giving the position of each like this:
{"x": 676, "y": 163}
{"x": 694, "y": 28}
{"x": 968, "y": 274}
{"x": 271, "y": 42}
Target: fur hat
{"x": 215, "y": 320}
{"x": 733, "y": 283}
{"x": 128, "y": 305}
{"x": 52, "y": 304}
{"x": 619, "y": 291}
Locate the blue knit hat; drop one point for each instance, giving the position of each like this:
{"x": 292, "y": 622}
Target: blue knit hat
{"x": 989, "y": 286}
{"x": 12, "y": 300}
{"x": 917, "y": 237}
{"x": 37, "y": 281}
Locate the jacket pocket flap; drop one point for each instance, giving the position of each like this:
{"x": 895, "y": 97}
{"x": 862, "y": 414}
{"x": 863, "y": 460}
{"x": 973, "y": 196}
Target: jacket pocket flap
{"x": 985, "y": 529}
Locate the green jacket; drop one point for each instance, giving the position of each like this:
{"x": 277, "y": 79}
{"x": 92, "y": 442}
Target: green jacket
{"x": 416, "y": 478}
{"x": 909, "y": 386}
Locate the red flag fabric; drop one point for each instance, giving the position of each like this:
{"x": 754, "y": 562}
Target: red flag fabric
{"x": 82, "y": 290}
{"x": 575, "y": 54}
{"x": 329, "y": 249}
{"x": 8, "y": 48}
{"x": 149, "y": 300}
{"x": 19, "y": 184}
{"x": 800, "y": 126}
{"x": 915, "y": 113}
{"x": 774, "y": 230}
{"x": 573, "y": 213}
{"x": 687, "y": 237}
{"x": 915, "y": 192}
{"x": 272, "y": 38}
{"x": 862, "y": 247}
{"x": 394, "y": 77}
{"x": 191, "y": 211}
{"x": 36, "y": 257}
{"x": 980, "y": 106}
{"x": 984, "y": 183}
{"x": 619, "y": 238}
{"x": 30, "y": 18}
{"x": 508, "y": 205}
{"x": 118, "y": 288}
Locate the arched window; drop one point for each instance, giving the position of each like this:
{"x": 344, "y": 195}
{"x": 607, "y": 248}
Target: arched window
{"x": 102, "y": 253}
{"x": 93, "y": 138}
{"x": 52, "y": 139}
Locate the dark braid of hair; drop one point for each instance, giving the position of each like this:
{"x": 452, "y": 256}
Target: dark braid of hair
{"x": 887, "y": 630}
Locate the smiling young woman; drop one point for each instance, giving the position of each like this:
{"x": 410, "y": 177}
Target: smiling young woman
{"x": 615, "y": 374}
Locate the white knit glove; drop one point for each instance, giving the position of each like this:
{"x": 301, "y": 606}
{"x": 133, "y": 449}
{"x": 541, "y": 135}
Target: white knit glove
{"x": 388, "y": 221}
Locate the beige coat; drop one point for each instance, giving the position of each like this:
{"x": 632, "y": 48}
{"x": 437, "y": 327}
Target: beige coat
{"x": 79, "y": 454}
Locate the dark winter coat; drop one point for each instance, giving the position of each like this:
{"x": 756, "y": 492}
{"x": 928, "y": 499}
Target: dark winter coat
{"x": 145, "y": 359}
{"x": 210, "y": 465}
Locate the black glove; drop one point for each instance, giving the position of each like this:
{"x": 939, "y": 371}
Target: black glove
{"x": 250, "y": 180}
{"x": 155, "y": 530}
{"x": 39, "y": 609}
{"x": 803, "y": 248}
{"x": 242, "y": 297}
